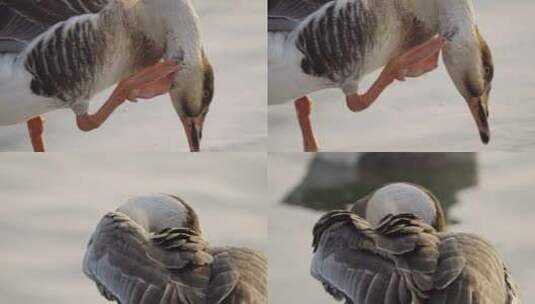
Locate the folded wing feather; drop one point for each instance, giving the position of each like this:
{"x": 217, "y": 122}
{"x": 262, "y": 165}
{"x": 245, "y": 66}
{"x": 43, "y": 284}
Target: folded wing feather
{"x": 398, "y": 262}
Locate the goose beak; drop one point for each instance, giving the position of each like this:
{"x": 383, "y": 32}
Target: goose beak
{"x": 480, "y": 114}
{"x": 193, "y": 128}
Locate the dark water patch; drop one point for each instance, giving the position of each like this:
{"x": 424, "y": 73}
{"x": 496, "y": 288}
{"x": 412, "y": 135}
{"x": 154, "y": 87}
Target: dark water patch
{"x": 335, "y": 180}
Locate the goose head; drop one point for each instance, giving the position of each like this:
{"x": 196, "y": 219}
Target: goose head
{"x": 159, "y": 211}
{"x": 192, "y": 95}
{"x": 469, "y": 63}
{"x": 400, "y": 198}
{"x": 175, "y": 27}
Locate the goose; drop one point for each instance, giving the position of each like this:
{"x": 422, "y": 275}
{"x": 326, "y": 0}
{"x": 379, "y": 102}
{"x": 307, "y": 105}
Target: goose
{"x": 59, "y": 53}
{"x": 320, "y": 44}
{"x": 404, "y": 259}
{"x": 151, "y": 250}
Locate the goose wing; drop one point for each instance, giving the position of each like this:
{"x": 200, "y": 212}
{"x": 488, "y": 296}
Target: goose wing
{"x": 513, "y": 294}
{"x": 16, "y": 31}
{"x": 23, "y": 20}
{"x": 285, "y": 15}
{"x": 131, "y": 266}
{"x": 484, "y": 278}
{"x": 398, "y": 262}
{"x": 239, "y": 275}
{"x": 50, "y": 12}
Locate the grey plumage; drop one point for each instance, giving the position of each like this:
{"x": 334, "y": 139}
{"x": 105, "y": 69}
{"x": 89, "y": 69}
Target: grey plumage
{"x": 404, "y": 260}
{"x": 23, "y": 20}
{"x": 16, "y": 31}
{"x": 333, "y": 42}
{"x": 67, "y": 59}
{"x": 50, "y": 12}
{"x": 285, "y": 15}
{"x": 133, "y": 265}
{"x": 334, "y": 45}
{"x": 72, "y": 52}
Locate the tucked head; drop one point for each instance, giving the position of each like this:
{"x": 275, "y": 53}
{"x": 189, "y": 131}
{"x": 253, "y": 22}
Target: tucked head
{"x": 469, "y": 63}
{"x": 157, "y": 212}
{"x": 401, "y": 198}
{"x": 192, "y": 94}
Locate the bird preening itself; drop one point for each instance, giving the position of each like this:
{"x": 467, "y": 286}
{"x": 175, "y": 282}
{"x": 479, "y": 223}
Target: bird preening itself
{"x": 402, "y": 257}
{"x": 151, "y": 251}
{"x": 321, "y": 44}
{"x": 60, "y": 53}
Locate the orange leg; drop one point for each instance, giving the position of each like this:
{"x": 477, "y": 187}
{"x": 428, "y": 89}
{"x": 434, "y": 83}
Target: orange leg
{"x": 416, "y": 62}
{"x": 303, "y": 107}
{"x": 149, "y": 82}
{"x": 36, "y": 128}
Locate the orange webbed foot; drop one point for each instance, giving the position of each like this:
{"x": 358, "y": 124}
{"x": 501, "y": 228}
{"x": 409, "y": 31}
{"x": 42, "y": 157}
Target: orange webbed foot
{"x": 149, "y": 82}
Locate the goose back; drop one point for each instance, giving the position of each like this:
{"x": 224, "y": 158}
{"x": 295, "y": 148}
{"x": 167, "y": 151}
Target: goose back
{"x": 484, "y": 279}
{"x": 173, "y": 266}
{"x": 130, "y": 266}
{"x": 240, "y": 278}
{"x": 404, "y": 260}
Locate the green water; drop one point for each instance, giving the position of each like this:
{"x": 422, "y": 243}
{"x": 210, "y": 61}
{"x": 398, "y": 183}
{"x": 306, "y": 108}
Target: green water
{"x": 444, "y": 174}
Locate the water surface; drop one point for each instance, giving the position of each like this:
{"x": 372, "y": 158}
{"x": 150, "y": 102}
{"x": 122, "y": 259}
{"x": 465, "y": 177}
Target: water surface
{"x": 51, "y": 204}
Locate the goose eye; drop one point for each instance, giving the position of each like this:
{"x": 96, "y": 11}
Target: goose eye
{"x": 206, "y": 94}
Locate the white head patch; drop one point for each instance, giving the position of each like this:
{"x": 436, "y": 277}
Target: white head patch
{"x": 400, "y": 198}
{"x": 156, "y": 212}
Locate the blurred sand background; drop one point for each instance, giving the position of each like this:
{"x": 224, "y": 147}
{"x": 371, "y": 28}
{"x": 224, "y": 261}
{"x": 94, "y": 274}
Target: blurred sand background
{"x": 499, "y": 208}
{"x": 235, "y": 40}
{"x": 428, "y": 114}
{"x": 51, "y": 204}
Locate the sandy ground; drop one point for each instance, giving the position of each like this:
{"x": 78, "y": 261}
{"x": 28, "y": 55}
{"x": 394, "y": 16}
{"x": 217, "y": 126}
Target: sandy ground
{"x": 234, "y": 37}
{"x": 499, "y": 208}
{"x": 51, "y": 205}
{"x": 428, "y": 114}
